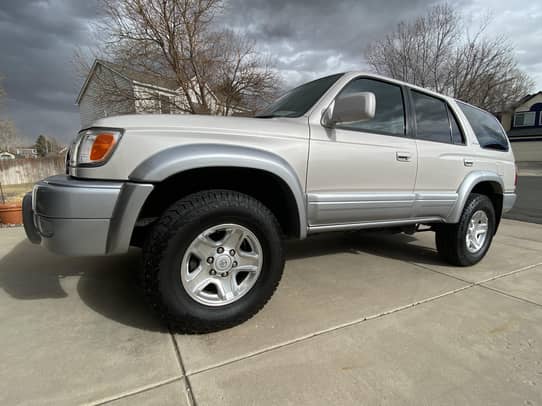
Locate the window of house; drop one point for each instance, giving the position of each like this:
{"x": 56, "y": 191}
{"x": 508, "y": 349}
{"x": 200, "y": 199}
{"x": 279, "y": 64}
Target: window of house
{"x": 486, "y": 127}
{"x": 165, "y": 104}
{"x": 152, "y": 102}
{"x": 524, "y": 119}
{"x": 432, "y": 121}
{"x": 389, "y": 116}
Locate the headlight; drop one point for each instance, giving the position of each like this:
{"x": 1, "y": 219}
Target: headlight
{"x": 94, "y": 146}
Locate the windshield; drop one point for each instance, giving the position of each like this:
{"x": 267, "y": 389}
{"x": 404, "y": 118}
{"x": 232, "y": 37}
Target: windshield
{"x": 298, "y": 101}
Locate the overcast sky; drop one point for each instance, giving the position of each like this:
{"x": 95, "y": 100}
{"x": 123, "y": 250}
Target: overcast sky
{"x": 307, "y": 38}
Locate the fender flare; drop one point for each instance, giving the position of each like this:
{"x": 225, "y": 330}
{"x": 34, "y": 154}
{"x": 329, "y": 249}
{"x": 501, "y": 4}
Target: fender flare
{"x": 470, "y": 181}
{"x": 175, "y": 160}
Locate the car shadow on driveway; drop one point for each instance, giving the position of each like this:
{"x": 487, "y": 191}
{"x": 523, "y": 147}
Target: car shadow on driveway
{"x": 110, "y": 285}
{"x": 107, "y": 285}
{"x": 398, "y": 246}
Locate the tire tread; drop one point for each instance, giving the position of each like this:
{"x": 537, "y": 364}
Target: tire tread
{"x": 449, "y": 237}
{"x": 186, "y": 210}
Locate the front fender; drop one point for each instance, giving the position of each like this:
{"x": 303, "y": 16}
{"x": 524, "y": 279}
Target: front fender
{"x": 185, "y": 157}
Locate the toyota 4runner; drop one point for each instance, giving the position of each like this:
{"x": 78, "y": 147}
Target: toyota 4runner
{"x": 211, "y": 199}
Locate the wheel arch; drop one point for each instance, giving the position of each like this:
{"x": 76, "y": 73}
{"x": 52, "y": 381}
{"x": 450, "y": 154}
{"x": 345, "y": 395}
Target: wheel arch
{"x": 272, "y": 179}
{"x": 483, "y": 182}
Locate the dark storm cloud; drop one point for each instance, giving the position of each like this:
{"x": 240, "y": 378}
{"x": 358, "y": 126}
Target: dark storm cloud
{"x": 37, "y": 44}
{"x": 306, "y": 38}
{"x": 313, "y": 37}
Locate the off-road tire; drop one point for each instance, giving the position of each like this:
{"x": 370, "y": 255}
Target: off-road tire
{"x": 170, "y": 237}
{"x": 450, "y": 238}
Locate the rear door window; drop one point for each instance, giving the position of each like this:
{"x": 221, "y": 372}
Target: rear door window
{"x": 432, "y": 122}
{"x": 486, "y": 127}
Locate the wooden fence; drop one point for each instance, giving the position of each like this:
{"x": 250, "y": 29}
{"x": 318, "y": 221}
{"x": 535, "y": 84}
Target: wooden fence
{"x": 17, "y": 171}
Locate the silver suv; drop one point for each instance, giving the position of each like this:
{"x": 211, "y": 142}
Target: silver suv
{"x": 211, "y": 199}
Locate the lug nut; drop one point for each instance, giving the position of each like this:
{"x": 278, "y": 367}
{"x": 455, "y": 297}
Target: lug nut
{"x": 224, "y": 274}
{"x": 232, "y": 252}
{"x": 210, "y": 260}
{"x": 212, "y": 272}
{"x": 220, "y": 250}
{"x": 234, "y": 264}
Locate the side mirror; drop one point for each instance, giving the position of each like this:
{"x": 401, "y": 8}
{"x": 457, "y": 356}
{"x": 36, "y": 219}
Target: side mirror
{"x": 350, "y": 108}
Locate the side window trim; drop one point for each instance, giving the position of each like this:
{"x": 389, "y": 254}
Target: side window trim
{"x": 449, "y": 109}
{"x": 406, "y": 112}
{"x": 410, "y": 115}
{"x": 453, "y": 116}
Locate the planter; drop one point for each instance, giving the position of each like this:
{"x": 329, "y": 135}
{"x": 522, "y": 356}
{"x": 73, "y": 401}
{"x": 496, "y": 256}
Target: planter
{"x": 11, "y": 213}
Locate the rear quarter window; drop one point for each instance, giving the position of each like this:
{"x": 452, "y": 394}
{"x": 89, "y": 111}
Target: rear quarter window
{"x": 486, "y": 127}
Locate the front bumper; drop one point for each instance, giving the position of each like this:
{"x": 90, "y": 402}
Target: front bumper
{"x": 83, "y": 217}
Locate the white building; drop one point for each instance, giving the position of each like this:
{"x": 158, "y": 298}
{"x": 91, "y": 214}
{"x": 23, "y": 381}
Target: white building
{"x": 134, "y": 93}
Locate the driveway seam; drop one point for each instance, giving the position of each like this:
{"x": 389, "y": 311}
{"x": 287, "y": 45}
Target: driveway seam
{"x": 525, "y": 268}
{"x": 440, "y": 272}
{"x": 328, "y": 330}
{"x": 521, "y": 299}
{"x": 187, "y": 386}
{"x": 361, "y": 320}
{"x": 137, "y": 391}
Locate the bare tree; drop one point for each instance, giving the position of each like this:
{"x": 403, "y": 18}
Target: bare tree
{"x": 9, "y": 136}
{"x": 2, "y": 93}
{"x": 435, "y": 51}
{"x": 242, "y": 78}
{"x": 177, "y": 41}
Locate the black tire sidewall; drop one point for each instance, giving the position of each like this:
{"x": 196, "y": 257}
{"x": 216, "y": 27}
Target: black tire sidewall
{"x": 175, "y": 297}
{"x": 475, "y": 203}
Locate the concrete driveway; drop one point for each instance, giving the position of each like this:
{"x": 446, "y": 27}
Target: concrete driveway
{"x": 357, "y": 319}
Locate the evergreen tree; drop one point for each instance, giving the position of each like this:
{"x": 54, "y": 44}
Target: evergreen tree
{"x": 42, "y": 145}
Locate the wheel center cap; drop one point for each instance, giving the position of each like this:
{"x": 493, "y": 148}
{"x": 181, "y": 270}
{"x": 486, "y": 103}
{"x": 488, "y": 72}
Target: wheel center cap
{"x": 223, "y": 263}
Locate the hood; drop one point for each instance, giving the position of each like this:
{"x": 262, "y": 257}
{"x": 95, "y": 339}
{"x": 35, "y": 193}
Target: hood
{"x": 206, "y": 124}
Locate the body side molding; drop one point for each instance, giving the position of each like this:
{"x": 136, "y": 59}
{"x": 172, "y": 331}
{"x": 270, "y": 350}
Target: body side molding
{"x": 373, "y": 224}
{"x": 185, "y": 157}
{"x": 470, "y": 181}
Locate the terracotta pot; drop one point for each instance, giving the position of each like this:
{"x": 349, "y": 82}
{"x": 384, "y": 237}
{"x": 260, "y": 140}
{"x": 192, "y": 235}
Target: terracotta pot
{"x": 11, "y": 213}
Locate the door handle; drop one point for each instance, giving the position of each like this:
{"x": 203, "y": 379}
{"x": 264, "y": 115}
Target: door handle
{"x": 468, "y": 162}
{"x": 403, "y": 156}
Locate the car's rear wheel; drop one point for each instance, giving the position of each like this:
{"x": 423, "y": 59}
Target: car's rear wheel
{"x": 212, "y": 261}
{"x": 467, "y": 242}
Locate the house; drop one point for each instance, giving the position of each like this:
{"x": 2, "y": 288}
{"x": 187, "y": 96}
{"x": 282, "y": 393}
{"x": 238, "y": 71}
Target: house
{"x": 26, "y": 152}
{"x": 6, "y": 155}
{"x": 524, "y": 118}
{"x": 111, "y": 89}
{"x": 523, "y": 124}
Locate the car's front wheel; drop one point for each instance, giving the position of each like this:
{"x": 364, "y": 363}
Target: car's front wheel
{"x": 212, "y": 261}
{"x": 466, "y": 242}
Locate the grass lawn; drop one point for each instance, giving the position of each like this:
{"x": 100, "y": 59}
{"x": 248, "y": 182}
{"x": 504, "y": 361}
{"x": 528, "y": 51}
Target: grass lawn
{"x": 13, "y": 193}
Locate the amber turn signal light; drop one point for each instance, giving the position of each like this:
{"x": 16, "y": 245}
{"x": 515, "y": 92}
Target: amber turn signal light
{"x": 101, "y": 146}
